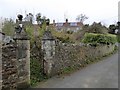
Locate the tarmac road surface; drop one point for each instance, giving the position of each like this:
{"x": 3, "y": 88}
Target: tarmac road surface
{"x": 103, "y": 74}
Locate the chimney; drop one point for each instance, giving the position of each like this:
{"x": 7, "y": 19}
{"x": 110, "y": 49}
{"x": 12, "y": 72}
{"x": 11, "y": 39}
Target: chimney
{"x": 53, "y": 22}
{"x": 66, "y": 20}
{"x": 66, "y": 23}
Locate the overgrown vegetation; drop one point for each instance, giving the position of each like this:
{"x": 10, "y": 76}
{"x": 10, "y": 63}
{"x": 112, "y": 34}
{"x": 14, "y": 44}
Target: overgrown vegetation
{"x": 97, "y": 28}
{"x": 63, "y": 36}
{"x": 94, "y": 39}
{"x": 36, "y": 60}
{"x": 118, "y": 38}
{"x": 36, "y": 71}
{"x": 8, "y": 27}
{"x": 112, "y": 28}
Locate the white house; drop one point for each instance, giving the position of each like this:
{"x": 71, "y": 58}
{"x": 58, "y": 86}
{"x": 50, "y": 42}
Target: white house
{"x": 116, "y": 31}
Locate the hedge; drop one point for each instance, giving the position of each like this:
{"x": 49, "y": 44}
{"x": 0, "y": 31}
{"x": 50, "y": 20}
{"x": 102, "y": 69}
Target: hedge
{"x": 118, "y": 38}
{"x": 91, "y": 38}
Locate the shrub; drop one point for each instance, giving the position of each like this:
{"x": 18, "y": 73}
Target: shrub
{"x": 97, "y": 28}
{"x": 64, "y": 40}
{"x": 36, "y": 72}
{"x": 8, "y": 27}
{"x": 63, "y": 36}
{"x": 118, "y": 38}
{"x": 36, "y": 64}
{"x": 69, "y": 32}
{"x": 94, "y": 39}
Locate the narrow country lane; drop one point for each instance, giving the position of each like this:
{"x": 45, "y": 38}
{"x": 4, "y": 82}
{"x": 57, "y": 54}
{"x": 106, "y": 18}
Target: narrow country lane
{"x": 103, "y": 74}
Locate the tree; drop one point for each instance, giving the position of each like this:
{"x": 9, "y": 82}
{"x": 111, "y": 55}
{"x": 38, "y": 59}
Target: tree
{"x": 8, "y": 27}
{"x": 42, "y": 20}
{"x": 79, "y": 36}
{"x": 81, "y": 18}
{"x": 98, "y": 28}
{"x": 29, "y": 17}
{"x": 112, "y": 28}
{"x": 38, "y": 18}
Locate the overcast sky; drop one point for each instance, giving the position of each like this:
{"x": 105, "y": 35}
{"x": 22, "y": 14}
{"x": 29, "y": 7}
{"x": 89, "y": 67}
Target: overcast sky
{"x": 105, "y": 11}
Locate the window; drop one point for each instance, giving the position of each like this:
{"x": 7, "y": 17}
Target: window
{"x": 59, "y": 24}
{"x": 73, "y": 24}
{"x": 77, "y": 28}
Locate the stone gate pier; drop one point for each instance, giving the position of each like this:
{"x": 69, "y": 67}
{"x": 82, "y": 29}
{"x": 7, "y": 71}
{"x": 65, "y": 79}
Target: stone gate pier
{"x": 16, "y": 61}
{"x": 48, "y": 48}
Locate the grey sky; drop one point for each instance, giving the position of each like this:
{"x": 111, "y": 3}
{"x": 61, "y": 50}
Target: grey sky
{"x": 105, "y": 11}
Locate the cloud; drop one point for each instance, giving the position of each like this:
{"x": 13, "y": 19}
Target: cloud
{"x": 96, "y": 10}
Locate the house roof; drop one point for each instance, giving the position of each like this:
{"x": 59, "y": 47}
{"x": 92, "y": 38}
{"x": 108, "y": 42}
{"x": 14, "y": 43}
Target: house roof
{"x": 71, "y": 24}
{"x": 62, "y": 24}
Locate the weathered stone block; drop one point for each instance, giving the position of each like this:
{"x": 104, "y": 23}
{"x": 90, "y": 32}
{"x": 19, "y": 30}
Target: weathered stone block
{"x": 13, "y": 68}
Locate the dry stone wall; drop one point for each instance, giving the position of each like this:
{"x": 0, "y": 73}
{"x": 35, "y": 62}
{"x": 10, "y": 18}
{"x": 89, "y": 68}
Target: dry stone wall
{"x": 58, "y": 56}
{"x": 16, "y": 65}
{"x": 70, "y": 55}
{"x": 9, "y": 67}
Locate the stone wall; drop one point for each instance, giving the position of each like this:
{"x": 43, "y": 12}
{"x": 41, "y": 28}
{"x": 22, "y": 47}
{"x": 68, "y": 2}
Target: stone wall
{"x": 0, "y": 65}
{"x": 16, "y": 65}
{"x": 58, "y": 56}
{"x": 9, "y": 67}
{"x": 71, "y": 55}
